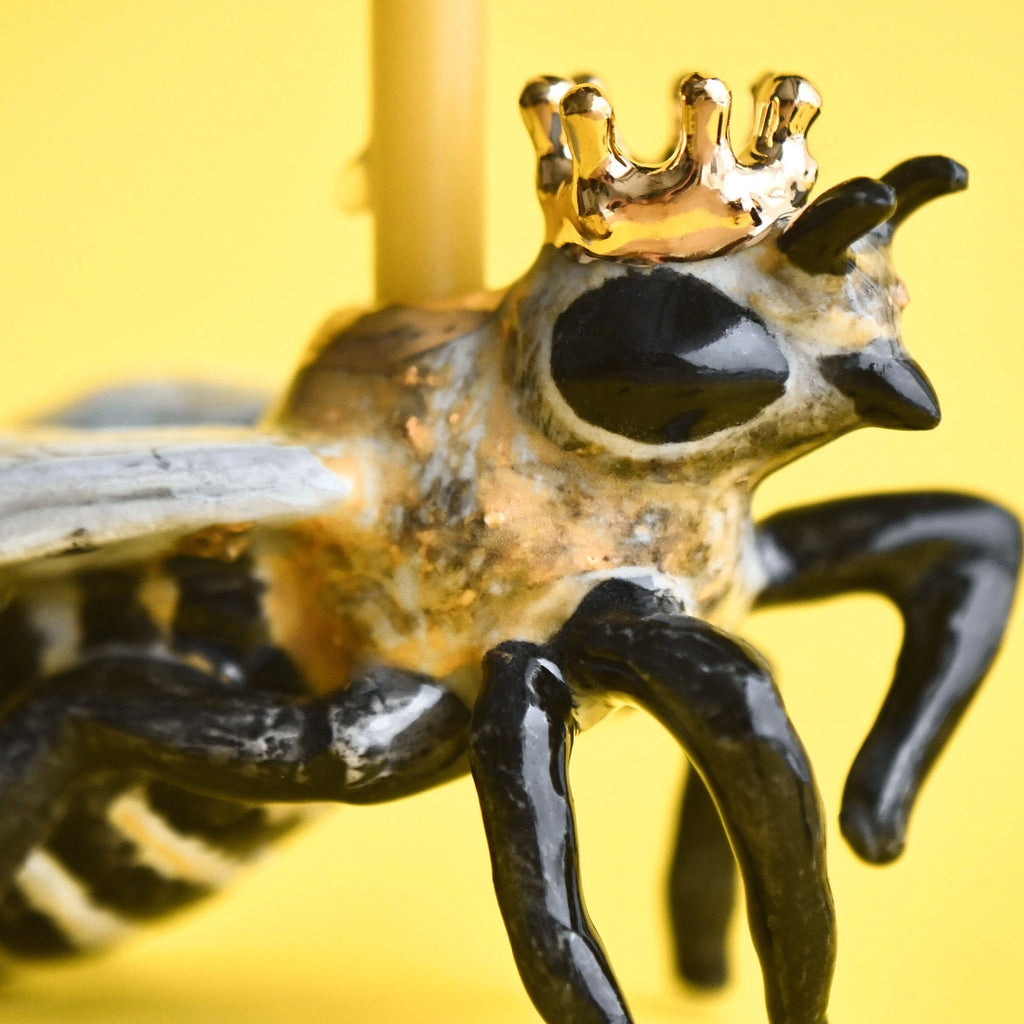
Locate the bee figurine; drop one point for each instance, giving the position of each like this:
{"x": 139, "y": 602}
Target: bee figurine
{"x": 467, "y": 533}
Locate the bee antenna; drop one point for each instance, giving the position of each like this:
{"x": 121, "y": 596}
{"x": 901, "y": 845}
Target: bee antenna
{"x": 819, "y": 239}
{"x": 920, "y": 180}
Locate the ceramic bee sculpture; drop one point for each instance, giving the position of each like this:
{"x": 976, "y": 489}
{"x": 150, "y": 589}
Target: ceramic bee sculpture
{"x": 465, "y": 534}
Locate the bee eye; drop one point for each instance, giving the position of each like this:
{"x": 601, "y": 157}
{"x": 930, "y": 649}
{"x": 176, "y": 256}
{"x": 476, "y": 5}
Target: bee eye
{"x": 664, "y": 357}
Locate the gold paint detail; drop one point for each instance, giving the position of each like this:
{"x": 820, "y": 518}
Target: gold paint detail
{"x": 482, "y": 508}
{"x": 420, "y": 436}
{"x": 309, "y": 580}
{"x": 491, "y": 530}
{"x": 701, "y": 201}
{"x": 166, "y": 850}
{"x": 51, "y": 889}
{"x": 380, "y": 350}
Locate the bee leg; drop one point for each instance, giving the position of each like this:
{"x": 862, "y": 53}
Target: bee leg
{"x": 701, "y": 888}
{"x": 717, "y": 697}
{"x": 389, "y": 734}
{"x": 949, "y": 563}
{"x": 520, "y": 739}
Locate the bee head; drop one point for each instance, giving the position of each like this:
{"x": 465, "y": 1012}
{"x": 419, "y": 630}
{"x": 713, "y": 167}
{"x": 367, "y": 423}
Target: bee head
{"x": 746, "y": 357}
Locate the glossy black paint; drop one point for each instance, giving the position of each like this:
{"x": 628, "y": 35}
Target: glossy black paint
{"x": 888, "y": 388}
{"x": 661, "y": 357}
{"x": 920, "y": 180}
{"x": 388, "y": 735}
{"x": 949, "y": 563}
{"x": 716, "y": 696}
{"x": 200, "y": 746}
{"x": 520, "y": 740}
{"x": 819, "y": 240}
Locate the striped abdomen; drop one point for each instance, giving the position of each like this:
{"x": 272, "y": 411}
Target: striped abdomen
{"x": 131, "y": 848}
{"x": 127, "y": 852}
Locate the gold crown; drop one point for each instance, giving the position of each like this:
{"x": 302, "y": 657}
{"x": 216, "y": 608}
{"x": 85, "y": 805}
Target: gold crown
{"x": 699, "y": 202}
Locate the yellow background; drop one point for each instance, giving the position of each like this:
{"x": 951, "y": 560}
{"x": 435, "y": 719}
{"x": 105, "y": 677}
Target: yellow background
{"x": 167, "y": 201}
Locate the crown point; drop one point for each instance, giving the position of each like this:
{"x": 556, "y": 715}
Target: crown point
{"x": 586, "y": 100}
{"x": 543, "y": 93}
{"x": 697, "y": 88}
{"x": 589, "y": 124}
{"x": 706, "y": 106}
{"x": 538, "y": 104}
{"x": 785, "y": 107}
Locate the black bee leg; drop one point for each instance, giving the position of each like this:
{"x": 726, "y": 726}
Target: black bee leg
{"x": 520, "y": 739}
{"x": 389, "y": 734}
{"x": 949, "y": 562}
{"x": 701, "y": 888}
{"x": 716, "y": 696}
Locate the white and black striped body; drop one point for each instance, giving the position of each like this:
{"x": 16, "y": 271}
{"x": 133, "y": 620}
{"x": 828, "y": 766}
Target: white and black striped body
{"x": 130, "y": 848}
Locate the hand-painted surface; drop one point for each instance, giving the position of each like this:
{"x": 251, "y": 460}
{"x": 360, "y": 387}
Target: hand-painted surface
{"x": 463, "y": 535}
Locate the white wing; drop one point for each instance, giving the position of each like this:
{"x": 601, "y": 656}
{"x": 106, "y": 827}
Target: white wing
{"x": 159, "y": 403}
{"x": 67, "y": 493}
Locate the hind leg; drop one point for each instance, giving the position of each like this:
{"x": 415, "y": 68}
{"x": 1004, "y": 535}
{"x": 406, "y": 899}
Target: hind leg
{"x": 388, "y": 735}
{"x": 701, "y": 888}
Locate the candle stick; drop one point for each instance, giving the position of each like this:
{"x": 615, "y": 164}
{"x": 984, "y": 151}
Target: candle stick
{"x": 426, "y": 154}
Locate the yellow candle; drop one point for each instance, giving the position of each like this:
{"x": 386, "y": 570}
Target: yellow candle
{"x": 426, "y": 154}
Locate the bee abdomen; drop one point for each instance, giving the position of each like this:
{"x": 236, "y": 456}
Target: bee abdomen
{"x": 129, "y": 850}
{"x": 124, "y": 854}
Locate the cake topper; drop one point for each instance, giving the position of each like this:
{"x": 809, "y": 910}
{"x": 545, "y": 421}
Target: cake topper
{"x": 464, "y": 535}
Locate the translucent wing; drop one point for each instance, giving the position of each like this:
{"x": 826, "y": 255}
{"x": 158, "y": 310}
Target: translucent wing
{"x": 163, "y": 402}
{"x": 65, "y": 493}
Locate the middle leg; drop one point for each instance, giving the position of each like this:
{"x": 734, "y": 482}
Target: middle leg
{"x": 387, "y": 735}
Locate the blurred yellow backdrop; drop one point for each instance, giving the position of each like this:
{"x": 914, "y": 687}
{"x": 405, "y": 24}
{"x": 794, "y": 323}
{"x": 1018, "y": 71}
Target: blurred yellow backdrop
{"x": 168, "y": 202}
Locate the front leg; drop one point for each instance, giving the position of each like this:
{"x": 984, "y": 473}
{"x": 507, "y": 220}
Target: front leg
{"x": 949, "y": 563}
{"x": 520, "y": 738}
{"x": 717, "y": 697}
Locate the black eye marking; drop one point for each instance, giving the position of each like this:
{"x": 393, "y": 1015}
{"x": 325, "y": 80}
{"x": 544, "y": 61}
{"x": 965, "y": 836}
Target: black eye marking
{"x": 664, "y": 357}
